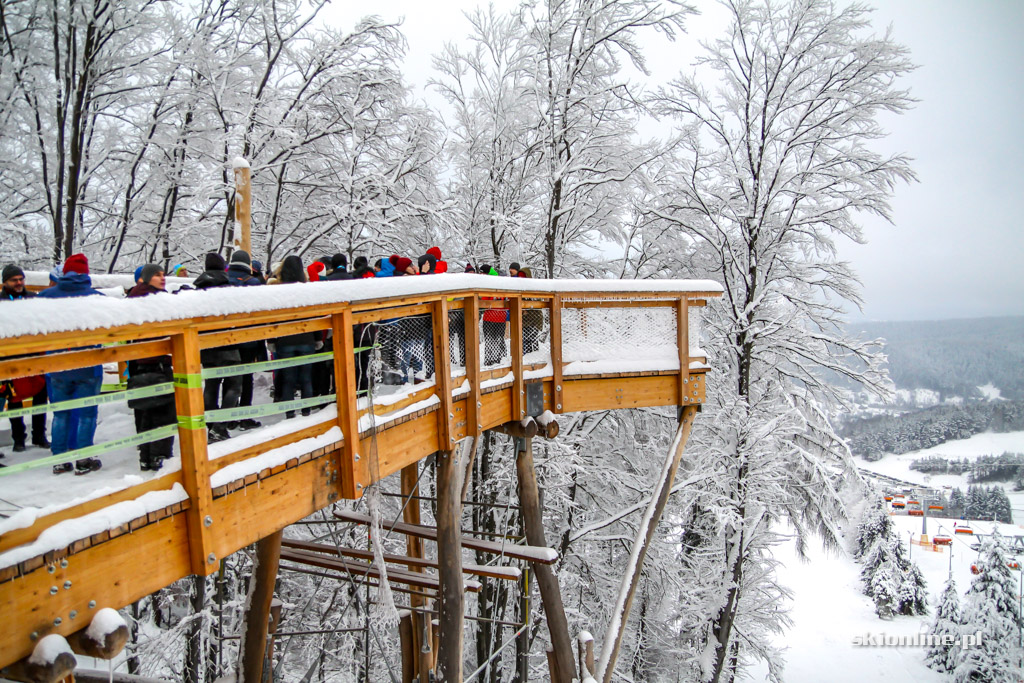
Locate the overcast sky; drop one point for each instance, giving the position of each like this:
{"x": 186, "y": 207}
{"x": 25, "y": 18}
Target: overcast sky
{"x": 956, "y": 248}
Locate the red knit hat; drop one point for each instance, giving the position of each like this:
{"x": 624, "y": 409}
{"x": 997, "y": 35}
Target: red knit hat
{"x": 314, "y": 269}
{"x": 435, "y": 252}
{"x": 77, "y": 263}
{"x": 393, "y": 260}
{"x": 401, "y": 263}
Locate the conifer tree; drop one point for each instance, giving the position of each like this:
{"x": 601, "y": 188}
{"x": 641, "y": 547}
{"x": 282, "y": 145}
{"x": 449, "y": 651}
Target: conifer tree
{"x": 946, "y": 627}
{"x": 990, "y": 614}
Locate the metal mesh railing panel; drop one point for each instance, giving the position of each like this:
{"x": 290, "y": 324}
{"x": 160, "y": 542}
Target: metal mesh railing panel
{"x": 616, "y": 334}
{"x": 536, "y": 335}
{"x": 494, "y": 343}
{"x": 404, "y": 350}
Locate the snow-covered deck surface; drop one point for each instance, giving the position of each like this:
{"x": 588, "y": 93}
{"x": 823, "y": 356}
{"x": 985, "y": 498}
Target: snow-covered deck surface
{"x": 66, "y": 315}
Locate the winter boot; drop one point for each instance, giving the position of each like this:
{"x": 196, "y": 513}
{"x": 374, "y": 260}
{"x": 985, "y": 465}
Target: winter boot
{"x": 87, "y": 465}
{"x": 63, "y": 467}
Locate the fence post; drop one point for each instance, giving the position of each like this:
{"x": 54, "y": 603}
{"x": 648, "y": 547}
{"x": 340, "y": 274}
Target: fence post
{"x": 515, "y": 311}
{"x": 442, "y": 374}
{"x": 195, "y": 472}
{"x": 471, "y": 316}
{"x": 556, "y": 353}
{"x": 352, "y": 466}
{"x": 683, "y": 342}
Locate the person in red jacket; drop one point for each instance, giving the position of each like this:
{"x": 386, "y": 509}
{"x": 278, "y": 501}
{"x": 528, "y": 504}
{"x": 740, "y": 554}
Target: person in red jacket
{"x": 493, "y": 327}
{"x": 441, "y": 266}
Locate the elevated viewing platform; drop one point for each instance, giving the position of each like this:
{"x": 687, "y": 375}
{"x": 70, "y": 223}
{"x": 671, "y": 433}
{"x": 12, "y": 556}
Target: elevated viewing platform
{"x": 71, "y": 545}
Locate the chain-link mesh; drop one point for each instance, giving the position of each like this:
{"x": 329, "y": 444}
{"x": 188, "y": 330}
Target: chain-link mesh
{"x": 403, "y": 351}
{"x": 613, "y": 334}
{"x": 536, "y": 335}
{"x": 457, "y": 338}
{"x": 696, "y": 328}
{"x": 494, "y": 343}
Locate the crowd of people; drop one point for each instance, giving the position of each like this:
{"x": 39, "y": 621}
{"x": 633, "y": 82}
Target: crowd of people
{"x": 75, "y": 428}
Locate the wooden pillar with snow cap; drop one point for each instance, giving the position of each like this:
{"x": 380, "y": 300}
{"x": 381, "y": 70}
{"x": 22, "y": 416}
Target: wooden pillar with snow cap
{"x": 51, "y": 661}
{"x": 105, "y": 637}
{"x": 243, "y": 205}
{"x": 550, "y": 593}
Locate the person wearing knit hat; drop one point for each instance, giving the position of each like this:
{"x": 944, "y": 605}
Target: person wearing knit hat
{"x": 313, "y": 270}
{"x": 440, "y": 266}
{"x": 240, "y": 270}
{"x": 12, "y": 272}
{"x": 138, "y": 275}
{"x": 74, "y": 429}
{"x": 77, "y": 263}
{"x": 214, "y": 261}
{"x": 23, "y": 388}
{"x": 513, "y": 269}
{"x": 404, "y": 266}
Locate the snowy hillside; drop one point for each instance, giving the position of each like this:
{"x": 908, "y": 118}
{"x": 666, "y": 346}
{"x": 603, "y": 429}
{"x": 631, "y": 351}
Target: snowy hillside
{"x": 829, "y": 608}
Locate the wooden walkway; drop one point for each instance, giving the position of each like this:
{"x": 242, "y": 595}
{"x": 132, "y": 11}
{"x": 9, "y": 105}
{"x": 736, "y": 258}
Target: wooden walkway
{"x": 54, "y": 576}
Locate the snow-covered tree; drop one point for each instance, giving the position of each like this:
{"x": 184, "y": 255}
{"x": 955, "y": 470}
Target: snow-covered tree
{"x": 775, "y": 165}
{"x": 890, "y": 578}
{"x": 990, "y": 614}
{"x": 946, "y": 627}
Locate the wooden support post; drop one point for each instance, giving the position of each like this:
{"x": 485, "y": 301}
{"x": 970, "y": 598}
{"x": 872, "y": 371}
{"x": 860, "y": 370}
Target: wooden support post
{"x": 556, "y": 353}
{"x": 405, "y": 635}
{"x": 449, "y": 554}
{"x": 243, "y": 205}
{"x": 472, "y": 321}
{"x": 195, "y": 474}
{"x": 443, "y": 374}
{"x": 351, "y": 465}
{"x": 252, "y": 649}
{"x": 419, "y": 623}
{"x": 515, "y": 313}
{"x": 631, "y": 577}
{"x": 550, "y": 594}
{"x": 683, "y": 342}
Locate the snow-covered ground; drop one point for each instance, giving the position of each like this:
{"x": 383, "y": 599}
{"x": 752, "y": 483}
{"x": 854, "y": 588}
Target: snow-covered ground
{"x": 829, "y": 608}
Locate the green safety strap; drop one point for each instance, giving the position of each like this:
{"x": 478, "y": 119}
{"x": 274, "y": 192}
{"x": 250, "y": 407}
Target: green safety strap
{"x": 188, "y": 381}
{"x": 240, "y": 413}
{"x": 192, "y": 421}
{"x": 98, "y": 449}
{"x": 106, "y": 388}
{"x": 233, "y": 370}
{"x": 101, "y": 399}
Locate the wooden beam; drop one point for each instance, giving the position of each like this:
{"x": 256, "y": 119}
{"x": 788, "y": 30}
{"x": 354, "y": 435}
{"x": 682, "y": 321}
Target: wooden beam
{"x": 527, "y": 553}
{"x": 243, "y": 210}
{"x": 417, "y": 564}
{"x": 350, "y": 463}
{"x": 631, "y": 578}
{"x": 683, "y": 344}
{"x": 188, "y": 400}
{"x": 515, "y": 311}
{"x": 449, "y": 554}
{"x": 259, "y": 332}
{"x": 252, "y": 649}
{"x": 373, "y": 316}
{"x": 366, "y": 570}
{"x": 442, "y": 373}
{"x": 624, "y": 392}
{"x": 556, "y": 353}
{"x": 17, "y": 537}
{"x": 421, "y": 627}
{"x": 550, "y": 593}
{"x": 41, "y": 364}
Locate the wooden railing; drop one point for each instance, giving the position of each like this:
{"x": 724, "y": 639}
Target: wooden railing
{"x": 589, "y": 346}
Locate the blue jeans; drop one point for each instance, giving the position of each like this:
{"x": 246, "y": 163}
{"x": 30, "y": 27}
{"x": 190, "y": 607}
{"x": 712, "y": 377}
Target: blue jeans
{"x": 299, "y": 377}
{"x": 73, "y": 429}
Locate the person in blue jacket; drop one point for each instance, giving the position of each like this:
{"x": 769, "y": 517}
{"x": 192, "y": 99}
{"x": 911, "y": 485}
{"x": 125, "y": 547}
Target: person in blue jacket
{"x": 76, "y": 428}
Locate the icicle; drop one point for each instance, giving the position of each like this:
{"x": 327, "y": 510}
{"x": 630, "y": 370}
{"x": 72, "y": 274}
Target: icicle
{"x": 386, "y": 612}
{"x": 110, "y": 665}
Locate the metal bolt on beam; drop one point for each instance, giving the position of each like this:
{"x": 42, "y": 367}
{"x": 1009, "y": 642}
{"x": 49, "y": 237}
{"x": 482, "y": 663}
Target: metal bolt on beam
{"x": 51, "y": 569}
{"x": 63, "y": 564}
{"x": 92, "y": 604}
{"x": 58, "y": 621}
{"x": 67, "y": 585}
{"x": 74, "y": 613}
{"x": 208, "y": 521}
{"x": 53, "y": 590}
{"x": 211, "y": 558}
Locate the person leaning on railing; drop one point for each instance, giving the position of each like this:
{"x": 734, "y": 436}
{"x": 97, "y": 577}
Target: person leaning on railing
{"x": 152, "y": 412}
{"x": 76, "y": 428}
{"x": 299, "y": 377}
{"x": 17, "y": 391}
